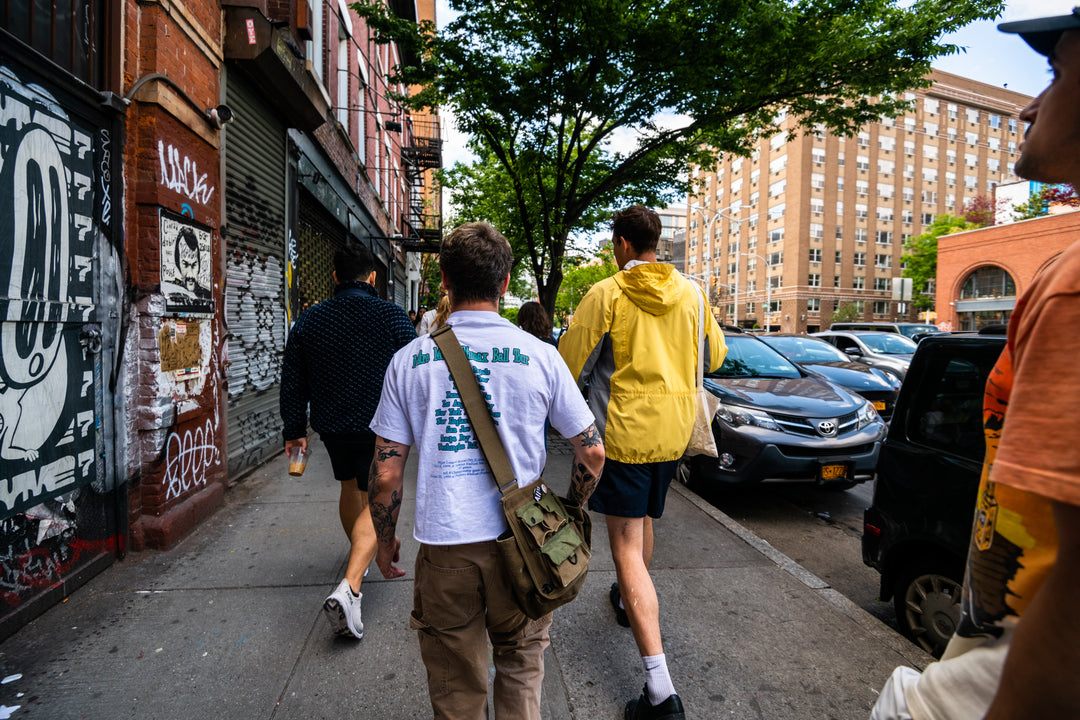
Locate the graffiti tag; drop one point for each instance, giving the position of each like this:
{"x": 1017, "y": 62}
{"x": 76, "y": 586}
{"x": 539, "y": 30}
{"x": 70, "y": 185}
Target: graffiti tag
{"x": 182, "y": 174}
{"x": 188, "y": 455}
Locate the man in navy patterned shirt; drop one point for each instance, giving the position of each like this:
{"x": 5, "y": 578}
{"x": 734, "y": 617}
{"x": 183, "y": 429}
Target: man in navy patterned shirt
{"x": 335, "y": 360}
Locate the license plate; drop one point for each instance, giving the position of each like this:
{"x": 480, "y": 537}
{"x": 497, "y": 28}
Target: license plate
{"x": 834, "y": 471}
{"x": 879, "y": 404}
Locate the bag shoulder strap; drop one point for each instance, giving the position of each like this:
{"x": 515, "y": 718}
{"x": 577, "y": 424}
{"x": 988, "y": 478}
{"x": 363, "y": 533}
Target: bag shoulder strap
{"x": 476, "y": 407}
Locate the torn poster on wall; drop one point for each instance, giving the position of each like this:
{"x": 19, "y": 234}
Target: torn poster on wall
{"x": 186, "y": 264}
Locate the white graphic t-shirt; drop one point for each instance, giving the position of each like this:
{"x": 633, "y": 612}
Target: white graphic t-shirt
{"x": 524, "y": 380}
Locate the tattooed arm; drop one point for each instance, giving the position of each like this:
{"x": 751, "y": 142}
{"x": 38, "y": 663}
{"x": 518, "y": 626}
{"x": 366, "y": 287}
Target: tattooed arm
{"x": 384, "y": 496}
{"x": 588, "y": 464}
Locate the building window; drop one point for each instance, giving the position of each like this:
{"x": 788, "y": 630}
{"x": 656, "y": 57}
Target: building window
{"x": 817, "y": 155}
{"x": 862, "y": 162}
{"x": 929, "y": 196}
{"x": 881, "y": 307}
{"x": 862, "y": 187}
{"x": 929, "y": 174}
{"x": 885, "y": 190}
{"x": 860, "y": 235}
{"x": 953, "y": 111}
{"x": 987, "y": 282}
{"x": 971, "y": 138}
{"x": 930, "y": 152}
{"x": 1012, "y": 125}
{"x": 814, "y": 280}
{"x": 776, "y": 212}
{"x": 860, "y": 211}
{"x": 886, "y": 143}
{"x": 883, "y": 261}
{"x": 971, "y": 160}
{"x": 907, "y": 216}
{"x": 909, "y": 148}
{"x": 813, "y": 305}
{"x": 972, "y": 116}
{"x": 817, "y": 231}
{"x": 886, "y": 167}
{"x": 817, "y": 206}
{"x": 930, "y": 129}
{"x": 839, "y": 257}
{"x": 885, "y": 214}
{"x": 776, "y": 235}
{"x": 883, "y": 284}
{"x": 776, "y": 258}
{"x": 864, "y": 139}
{"x": 930, "y": 106}
{"x": 858, "y": 282}
{"x": 815, "y": 255}
{"x": 860, "y": 259}
{"x": 778, "y": 164}
{"x": 950, "y": 179}
{"x": 883, "y": 237}
{"x": 817, "y": 181}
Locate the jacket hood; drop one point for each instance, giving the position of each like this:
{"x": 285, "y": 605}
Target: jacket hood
{"x": 655, "y": 288}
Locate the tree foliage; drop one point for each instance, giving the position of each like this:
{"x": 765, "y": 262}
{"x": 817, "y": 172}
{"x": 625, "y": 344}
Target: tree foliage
{"x": 846, "y": 312}
{"x": 1040, "y": 201}
{"x": 581, "y": 275}
{"x": 920, "y": 256}
{"x": 579, "y": 107}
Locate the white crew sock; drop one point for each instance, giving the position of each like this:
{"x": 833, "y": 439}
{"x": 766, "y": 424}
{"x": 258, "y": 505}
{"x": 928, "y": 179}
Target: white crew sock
{"x": 657, "y": 680}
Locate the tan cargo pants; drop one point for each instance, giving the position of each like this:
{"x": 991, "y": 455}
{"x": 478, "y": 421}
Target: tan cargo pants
{"x": 460, "y": 599}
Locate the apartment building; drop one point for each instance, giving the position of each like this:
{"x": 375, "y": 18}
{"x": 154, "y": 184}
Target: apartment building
{"x": 806, "y": 225}
{"x": 672, "y": 222}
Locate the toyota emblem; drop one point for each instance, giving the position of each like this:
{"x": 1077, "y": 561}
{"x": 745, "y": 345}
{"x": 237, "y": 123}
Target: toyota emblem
{"x": 827, "y": 428}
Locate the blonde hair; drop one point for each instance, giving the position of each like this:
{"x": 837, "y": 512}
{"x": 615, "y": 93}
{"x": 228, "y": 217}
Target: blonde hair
{"x": 441, "y": 313}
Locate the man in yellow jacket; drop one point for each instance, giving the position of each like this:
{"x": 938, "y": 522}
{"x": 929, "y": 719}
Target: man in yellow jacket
{"x": 633, "y": 342}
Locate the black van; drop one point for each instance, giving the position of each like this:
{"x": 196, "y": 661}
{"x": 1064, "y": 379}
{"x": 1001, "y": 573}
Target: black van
{"x": 916, "y": 531}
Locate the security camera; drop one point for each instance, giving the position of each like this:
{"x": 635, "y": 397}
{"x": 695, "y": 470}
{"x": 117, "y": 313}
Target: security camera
{"x": 220, "y": 116}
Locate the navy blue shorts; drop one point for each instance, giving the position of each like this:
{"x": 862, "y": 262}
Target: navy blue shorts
{"x": 633, "y": 490}
{"x": 350, "y": 457}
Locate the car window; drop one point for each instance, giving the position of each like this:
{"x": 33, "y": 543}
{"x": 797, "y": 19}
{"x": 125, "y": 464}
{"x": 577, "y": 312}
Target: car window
{"x": 946, "y": 412}
{"x": 750, "y": 357}
{"x": 888, "y": 344}
{"x": 844, "y": 343}
{"x": 806, "y": 350}
{"x": 912, "y": 330}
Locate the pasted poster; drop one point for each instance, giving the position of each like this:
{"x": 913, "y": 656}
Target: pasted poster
{"x": 186, "y": 265}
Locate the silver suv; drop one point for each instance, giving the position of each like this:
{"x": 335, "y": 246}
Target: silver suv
{"x": 890, "y": 352}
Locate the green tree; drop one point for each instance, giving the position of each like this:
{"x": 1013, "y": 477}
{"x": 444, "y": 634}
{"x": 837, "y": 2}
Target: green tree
{"x": 544, "y": 90}
{"x": 582, "y": 274}
{"x": 846, "y": 312}
{"x": 920, "y": 256}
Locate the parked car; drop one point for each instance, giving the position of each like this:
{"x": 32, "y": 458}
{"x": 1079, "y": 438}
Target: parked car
{"x": 916, "y": 530}
{"x": 778, "y": 421}
{"x": 908, "y": 329}
{"x": 816, "y": 355}
{"x": 890, "y": 352}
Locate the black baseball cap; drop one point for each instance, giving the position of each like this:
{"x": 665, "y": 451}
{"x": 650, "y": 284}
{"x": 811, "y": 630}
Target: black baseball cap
{"x": 1042, "y": 33}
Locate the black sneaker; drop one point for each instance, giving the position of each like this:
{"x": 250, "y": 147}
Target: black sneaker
{"x": 640, "y": 709}
{"x": 620, "y": 613}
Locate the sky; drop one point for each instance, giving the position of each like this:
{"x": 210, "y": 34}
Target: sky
{"x": 990, "y": 56}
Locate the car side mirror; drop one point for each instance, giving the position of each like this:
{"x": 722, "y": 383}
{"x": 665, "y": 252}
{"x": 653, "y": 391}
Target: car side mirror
{"x": 853, "y": 351}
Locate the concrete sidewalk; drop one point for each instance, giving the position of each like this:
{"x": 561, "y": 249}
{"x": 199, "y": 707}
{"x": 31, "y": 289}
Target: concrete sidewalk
{"x": 229, "y": 624}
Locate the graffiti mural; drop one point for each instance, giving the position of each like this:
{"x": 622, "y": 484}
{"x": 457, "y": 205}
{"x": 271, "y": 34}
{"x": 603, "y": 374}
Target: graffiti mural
{"x": 47, "y": 316}
{"x": 255, "y": 312}
{"x": 57, "y": 504}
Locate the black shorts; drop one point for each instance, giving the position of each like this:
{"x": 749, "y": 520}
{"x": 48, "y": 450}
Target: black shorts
{"x": 633, "y": 490}
{"x": 351, "y": 456}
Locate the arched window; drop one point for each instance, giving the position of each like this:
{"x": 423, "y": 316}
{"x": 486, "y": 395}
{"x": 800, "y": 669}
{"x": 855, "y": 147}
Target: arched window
{"x": 988, "y": 281}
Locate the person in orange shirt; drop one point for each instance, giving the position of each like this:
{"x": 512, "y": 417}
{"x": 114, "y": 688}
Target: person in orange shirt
{"x": 1016, "y": 651}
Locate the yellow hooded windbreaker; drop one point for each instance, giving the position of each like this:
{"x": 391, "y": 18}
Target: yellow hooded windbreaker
{"x": 633, "y": 342}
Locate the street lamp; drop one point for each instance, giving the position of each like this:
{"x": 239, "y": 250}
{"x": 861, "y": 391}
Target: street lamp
{"x": 708, "y": 235}
{"x": 768, "y": 289}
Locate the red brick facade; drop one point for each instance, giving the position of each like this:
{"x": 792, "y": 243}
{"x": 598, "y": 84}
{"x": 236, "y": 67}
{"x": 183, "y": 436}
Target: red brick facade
{"x": 1022, "y": 249}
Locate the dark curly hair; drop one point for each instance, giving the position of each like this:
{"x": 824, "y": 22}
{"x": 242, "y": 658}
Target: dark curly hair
{"x": 533, "y": 319}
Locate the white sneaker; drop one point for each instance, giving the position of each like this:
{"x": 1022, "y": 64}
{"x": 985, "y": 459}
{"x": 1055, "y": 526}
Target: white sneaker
{"x": 343, "y": 611}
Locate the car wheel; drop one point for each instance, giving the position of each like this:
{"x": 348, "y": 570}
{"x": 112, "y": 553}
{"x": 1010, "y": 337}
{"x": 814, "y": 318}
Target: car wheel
{"x": 927, "y": 601}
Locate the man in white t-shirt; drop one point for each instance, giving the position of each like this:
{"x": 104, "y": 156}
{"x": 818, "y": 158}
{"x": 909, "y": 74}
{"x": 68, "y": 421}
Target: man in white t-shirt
{"x": 461, "y": 598}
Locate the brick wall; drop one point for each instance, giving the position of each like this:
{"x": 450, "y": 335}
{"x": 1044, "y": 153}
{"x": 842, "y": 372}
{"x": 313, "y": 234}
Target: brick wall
{"x": 172, "y": 161}
{"x": 1023, "y": 249}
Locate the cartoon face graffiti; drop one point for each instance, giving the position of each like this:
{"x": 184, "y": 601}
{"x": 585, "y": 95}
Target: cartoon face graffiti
{"x": 188, "y": 262}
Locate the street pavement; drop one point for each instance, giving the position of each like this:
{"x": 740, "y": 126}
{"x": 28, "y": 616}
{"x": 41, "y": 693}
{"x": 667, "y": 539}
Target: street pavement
{"x": 229, "y": 624}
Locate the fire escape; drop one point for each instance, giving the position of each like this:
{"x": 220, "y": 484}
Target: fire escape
{"x": 422, "y": 220}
